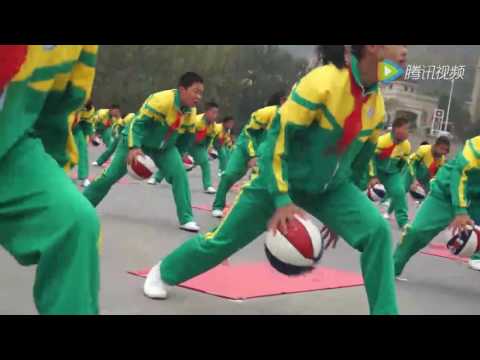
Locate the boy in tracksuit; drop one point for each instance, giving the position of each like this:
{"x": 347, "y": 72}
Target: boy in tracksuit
{"x": 154, "y": 131}
{"x": 244, "y": 154}
{"x": 424, "y": 164}
{"x": 82, "y": 129}
{"x": 386, "y": 167}
{"x": 328, "y": 126}
{"x": 222, "y": 141}
{"x": 106, "y": 125}
{"x": 454, "y": 200}
{"x": 44, "y": 220}
{"x": 198, "y": 149}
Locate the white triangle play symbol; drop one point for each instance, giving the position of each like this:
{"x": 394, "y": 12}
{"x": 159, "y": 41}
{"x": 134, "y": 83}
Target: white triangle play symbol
{"x": 388, "y": 71}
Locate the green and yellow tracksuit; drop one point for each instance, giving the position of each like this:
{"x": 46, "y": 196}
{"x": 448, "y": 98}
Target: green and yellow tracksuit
{"x": 116, "y": 129}
{"x": 104, "y": 123}
{"x": 198, "y": 149}
{"x": 222, "y": 142}
{"x": 455, "y": 190}
{"x": 245, "y": 148}
{"x": 156, "y": 129}
{"x": 423, "y": 167}
{"x": 388, "y": 163}
{"x": 82, "y": 129}
{"x": 104, "y": 127}
{"x": 205, "y": 133}
{"x": 44, "y": 220}
{"x": 301, "y": 163}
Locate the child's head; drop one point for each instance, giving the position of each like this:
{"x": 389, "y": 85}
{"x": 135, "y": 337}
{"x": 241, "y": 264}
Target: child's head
{"x": 228, "y": 122}
{"x": 115, "y": 111}
{"x": 400, "y": 129}
{"x": 425, "y": 142}
{"x": 441, "y": 146}
{"x": 190, "y": 87}
{"x": 397, "y": 53}
{"x": 89, "y": 105}
{"x": 211, "y": 111}
{"x": 277, "y": 99}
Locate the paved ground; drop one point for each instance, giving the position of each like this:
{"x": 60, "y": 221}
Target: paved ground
{"x": 140, "y": 227}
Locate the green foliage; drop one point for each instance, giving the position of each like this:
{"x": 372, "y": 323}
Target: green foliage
{"x": 239, "y": 77}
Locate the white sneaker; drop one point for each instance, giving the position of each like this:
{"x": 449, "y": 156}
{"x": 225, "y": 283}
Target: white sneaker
{"x": 400, "y": 278}
{"x": 190, "y": 226}
{"x": 154, "y": 287}
{"x": 220, "y": 173}
{"x": 210, "y": 190}
{"x": 474, "y": 264}
{"x": 86, "y": 183}
{"x": 95, "y": 163}
{"x": 217, "y": 213}
{"x": 152, "y": 181}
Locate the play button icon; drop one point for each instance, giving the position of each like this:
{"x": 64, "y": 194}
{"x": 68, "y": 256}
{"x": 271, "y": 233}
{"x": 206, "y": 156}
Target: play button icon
{"x": 389, "y": 71}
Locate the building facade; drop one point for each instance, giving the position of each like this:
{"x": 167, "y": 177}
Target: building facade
{"x": 402, "y": 99}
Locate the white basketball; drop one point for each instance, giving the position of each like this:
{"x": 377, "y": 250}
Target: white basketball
{"x": 376, "y": 193}
{"x": 466, "y": 243}
{"x": 298, "y": 250}
{"x": 213, "y": 154}
{"x": 141, "y": 168}
{"x": 418, "y": 194}
{"x": 188, "y": 163}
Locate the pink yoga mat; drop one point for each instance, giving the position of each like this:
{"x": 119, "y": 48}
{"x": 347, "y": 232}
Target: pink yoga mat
{"x": 202, "y": 207}
{"x": 440, "y": 250}
{"x": 251, "y": 280}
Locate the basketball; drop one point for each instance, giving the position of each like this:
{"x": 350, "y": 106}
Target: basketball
{"x": 466, "y": 243}
{"x": 297, "y": 251}
{"x": 142, "y": 168}
{"x": 376, "y": 193}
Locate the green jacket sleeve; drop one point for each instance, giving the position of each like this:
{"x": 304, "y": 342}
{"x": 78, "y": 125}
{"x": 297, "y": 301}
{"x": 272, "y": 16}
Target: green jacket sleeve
{"x": 465, "y": 161}
{"x": 136, "y": 130}
{"x": 461, "y": 166}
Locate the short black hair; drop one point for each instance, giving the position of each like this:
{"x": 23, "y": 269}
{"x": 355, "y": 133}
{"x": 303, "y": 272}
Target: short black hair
{"x": 188, "y": 79}
{"x": 357, "y": 50}
{"x": 210, "y": 104}
{"x": 276, "y": 98}
{"x": 89, "y": 104}
{"x": 331, "y": 54}
{"x": 442, "y": 140}
{"x": 227, "y": 118}
{"x": 114, "y": 106}
{"x": 399, "y": 122}
{"x": 425, "y": 142}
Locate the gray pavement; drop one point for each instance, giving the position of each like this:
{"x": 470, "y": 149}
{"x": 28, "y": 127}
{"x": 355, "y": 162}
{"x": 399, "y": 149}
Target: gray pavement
{"x": 140, "y": 227}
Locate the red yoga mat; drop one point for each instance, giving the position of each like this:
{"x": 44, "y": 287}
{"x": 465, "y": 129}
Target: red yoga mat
{"x": 440, "y": 250}
{"x": 202, "y": 207}
{"x": 251, "y": 280}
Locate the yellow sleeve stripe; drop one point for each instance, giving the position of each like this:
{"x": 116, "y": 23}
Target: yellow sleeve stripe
{"x": 83, "y": 77}
{"x": 371, "y": 170}
{"x": 130, "y": 133}
{"x": 472, "y": 157}
{"x": 461, "y": 188}
{"x": 251, "y": 150}
{"x": 277, "y": 158}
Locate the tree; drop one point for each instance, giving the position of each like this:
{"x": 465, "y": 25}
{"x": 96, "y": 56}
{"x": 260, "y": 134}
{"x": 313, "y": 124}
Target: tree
{"x": 128, "y": 74}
